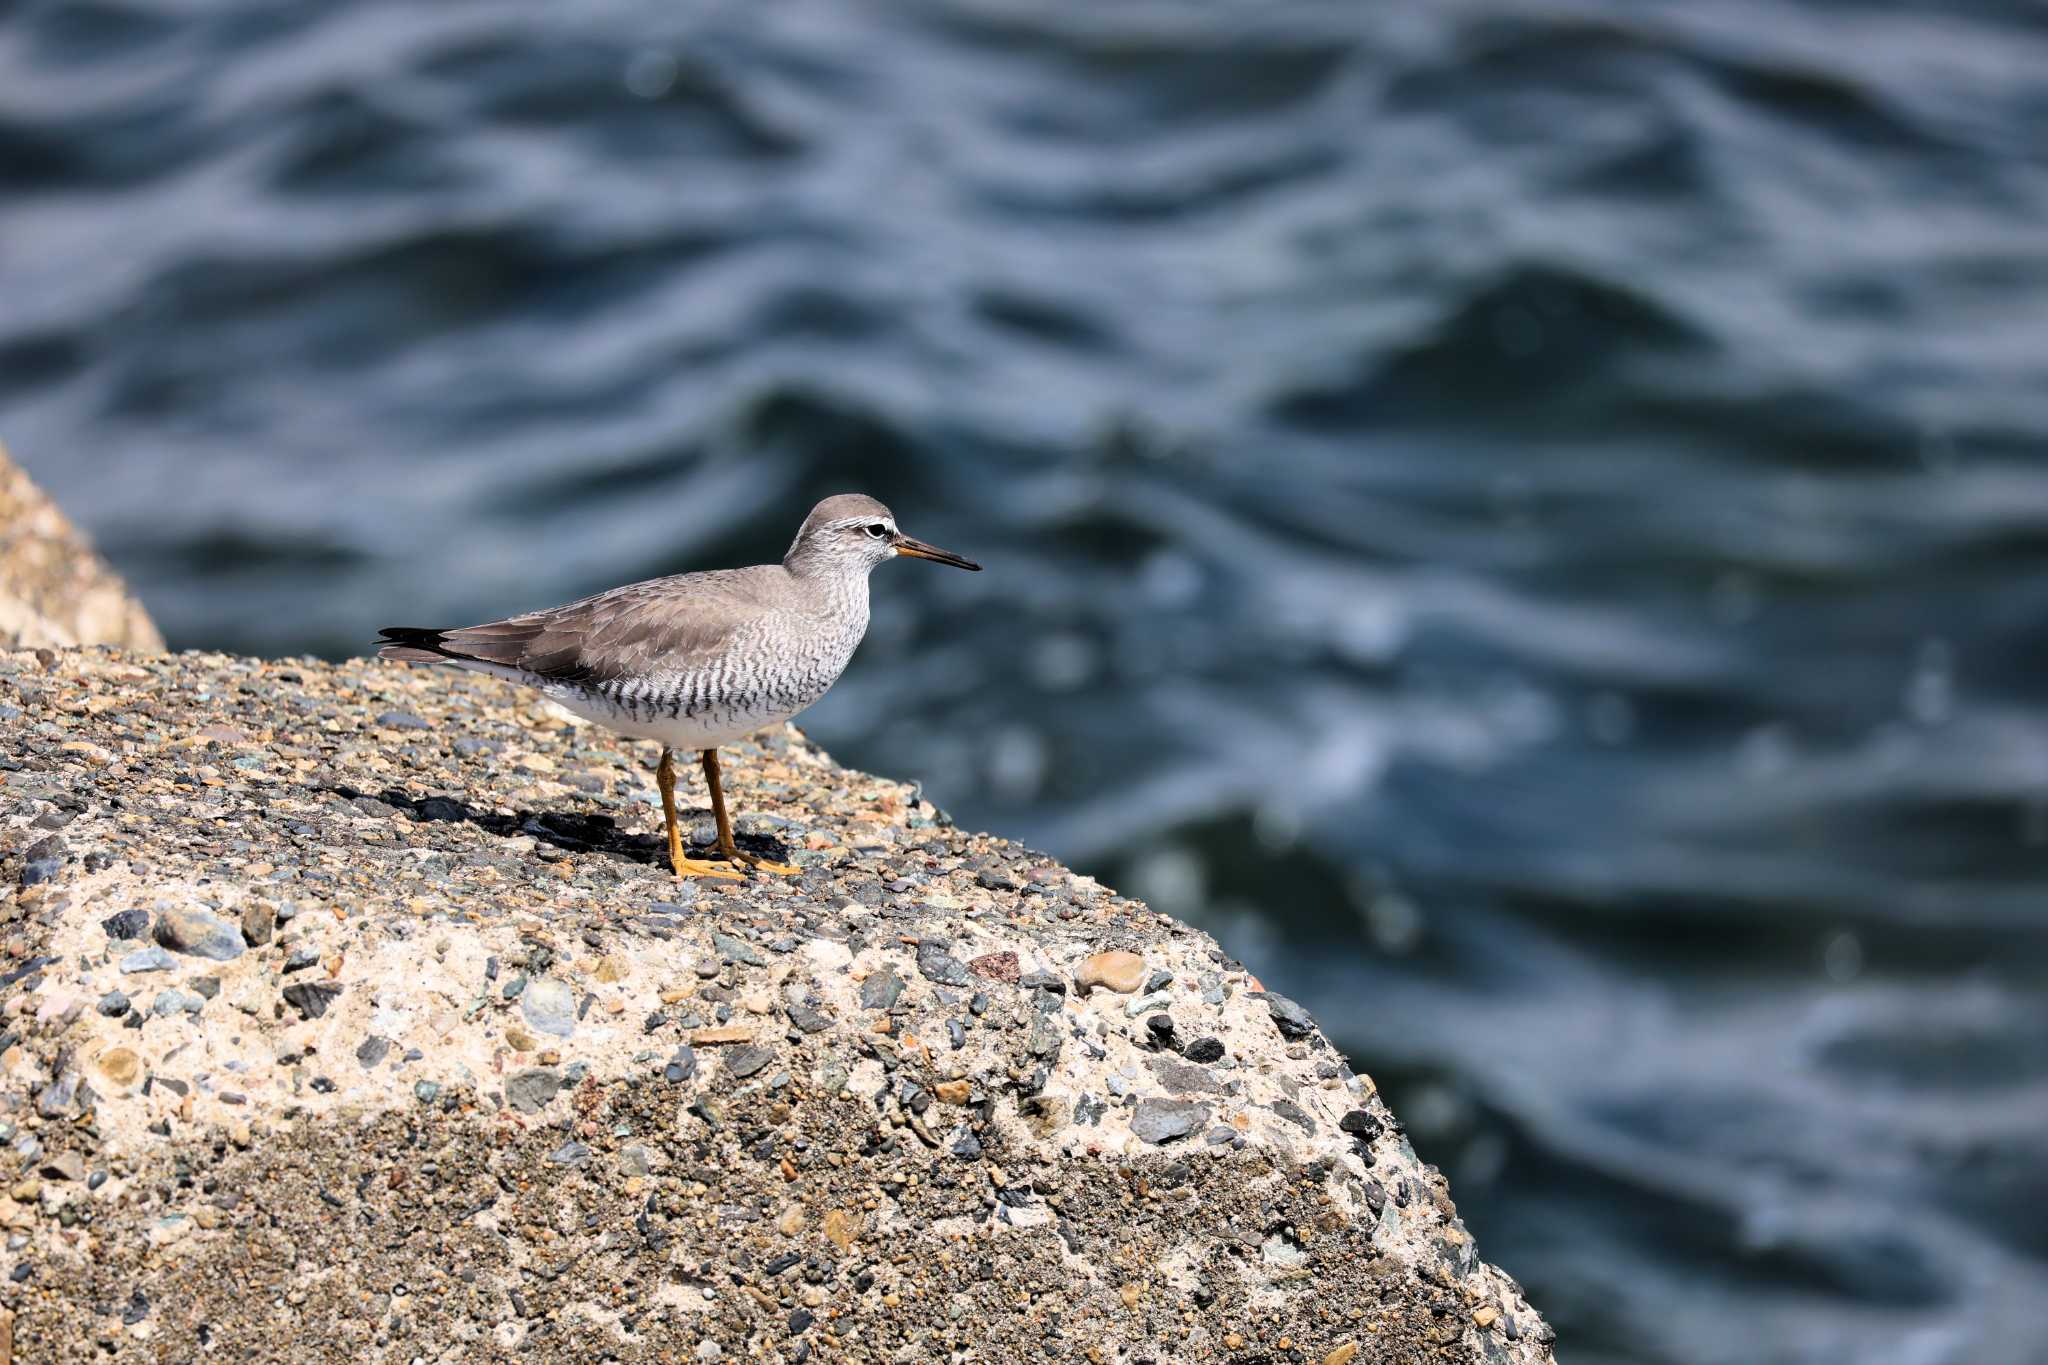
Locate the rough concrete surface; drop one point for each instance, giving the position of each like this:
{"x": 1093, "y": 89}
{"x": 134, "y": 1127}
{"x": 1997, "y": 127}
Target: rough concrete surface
{"x": 53, "y": 589}
{"x": 351, "y": 1014}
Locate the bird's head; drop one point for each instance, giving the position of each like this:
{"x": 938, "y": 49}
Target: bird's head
{"x": 851, "y": 533}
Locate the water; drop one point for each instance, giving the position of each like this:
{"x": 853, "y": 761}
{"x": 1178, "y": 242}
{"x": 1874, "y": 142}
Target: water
{"x": 1528, "y": 520}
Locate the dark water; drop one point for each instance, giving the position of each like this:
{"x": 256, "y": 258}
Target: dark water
{"x": 1529, "y": 520}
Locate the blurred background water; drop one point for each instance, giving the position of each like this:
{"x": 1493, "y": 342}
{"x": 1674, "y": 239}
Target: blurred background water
{"x": 1526, "y": 519}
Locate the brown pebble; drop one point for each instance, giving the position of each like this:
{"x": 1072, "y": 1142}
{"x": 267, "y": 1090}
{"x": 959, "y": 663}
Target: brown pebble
{"x": 120, "y": 1065}
{"x": 711, "y": 1037}
{"x": 1119, "y": 971}
{"x": 996, "y": 967}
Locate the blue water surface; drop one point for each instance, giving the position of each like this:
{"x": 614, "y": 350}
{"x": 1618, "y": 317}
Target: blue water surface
{"x": 1527, "y": 519}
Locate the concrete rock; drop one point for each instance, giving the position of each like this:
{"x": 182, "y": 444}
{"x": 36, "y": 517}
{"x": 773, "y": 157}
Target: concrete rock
{"x": 54, "y": 590}
{"x": 469, "y": 1047}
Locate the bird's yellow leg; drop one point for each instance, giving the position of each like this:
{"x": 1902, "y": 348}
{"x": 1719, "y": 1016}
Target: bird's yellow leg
{"x": 665, "y": 778}
{"x": 727, "y": 849}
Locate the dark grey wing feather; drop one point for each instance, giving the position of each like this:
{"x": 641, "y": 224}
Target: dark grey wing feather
{"x": 663, "y": 625}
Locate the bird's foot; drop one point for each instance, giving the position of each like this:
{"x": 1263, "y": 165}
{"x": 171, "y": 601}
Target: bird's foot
{"x": 738, "y": 855}
{"x": 694, "y": 867}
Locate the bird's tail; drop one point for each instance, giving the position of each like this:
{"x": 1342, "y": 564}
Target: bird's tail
{"x": 415, "y": 645}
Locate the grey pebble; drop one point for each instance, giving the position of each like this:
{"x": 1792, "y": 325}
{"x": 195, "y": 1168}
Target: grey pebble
{"x": 808, "y": 1019}
{"x": 747, "y": 1060}
{"x": 738, "y": 950}
{"x": 570, "y": 1154}
{"x": 200, "y": 933}
{"x": 1161, "y": 1121}
{"x": 529, "y": 1091}
{"x": 174, "y": 1001}
{"x": 311, "y": 998}
{"x": 1044, "y": 1038}
{"x": 881, "y": 990}
{"x": 1294, "y": 1114}
{"x": 113, "y": 1004}
{"x": 1183, "y": 1079}
{"x": 150, "y": 959}
{"x": 372, "y": 1050}
{"x": 1291, "y": 1019}
{"x": 550, "y": 1006}
{"x": 941, "y": 966}
{"x": 55, "y": 1100}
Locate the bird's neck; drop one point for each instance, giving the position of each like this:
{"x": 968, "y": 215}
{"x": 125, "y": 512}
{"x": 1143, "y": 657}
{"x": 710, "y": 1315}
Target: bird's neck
{"x": 837, "y": 591}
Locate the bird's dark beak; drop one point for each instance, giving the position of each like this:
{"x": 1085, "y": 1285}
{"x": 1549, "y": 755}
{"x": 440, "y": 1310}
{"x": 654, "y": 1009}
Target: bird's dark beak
{"x": 917, "y": 549}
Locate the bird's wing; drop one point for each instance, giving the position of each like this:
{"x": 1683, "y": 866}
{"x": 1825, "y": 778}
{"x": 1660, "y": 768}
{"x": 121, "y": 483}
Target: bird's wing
{"x": 663, "y": 625}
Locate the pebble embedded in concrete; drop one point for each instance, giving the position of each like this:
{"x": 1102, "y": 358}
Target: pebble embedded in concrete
{"x": 200, "y": 933}
{"x": 1118, "y": 971}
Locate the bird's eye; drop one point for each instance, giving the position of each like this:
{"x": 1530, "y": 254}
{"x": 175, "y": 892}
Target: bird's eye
{"x": 877, "y": 530}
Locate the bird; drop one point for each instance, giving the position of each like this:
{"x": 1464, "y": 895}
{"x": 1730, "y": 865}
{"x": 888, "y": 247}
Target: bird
{"x": 696, "y": 660}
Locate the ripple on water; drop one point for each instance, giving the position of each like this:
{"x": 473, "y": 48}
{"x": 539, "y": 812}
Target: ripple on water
{"x": 1527, "y": 524}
